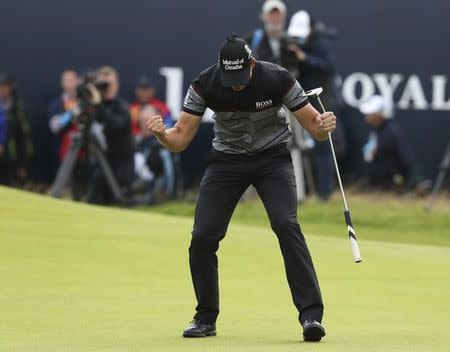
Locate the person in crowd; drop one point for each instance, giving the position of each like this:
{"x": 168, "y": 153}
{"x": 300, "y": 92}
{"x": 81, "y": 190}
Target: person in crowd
{"x": 61, "y": 124}
{"x": 391, "y": 162}
{"x": 157, "y": 158}
{"x": 113, "y": 114}
{"x": 146, "y": 96}
{"x": 271, "y": 42}
{"x": 314, "y": 47}
{"x": 17, "y": 147}
{"x": 64, "y": 126}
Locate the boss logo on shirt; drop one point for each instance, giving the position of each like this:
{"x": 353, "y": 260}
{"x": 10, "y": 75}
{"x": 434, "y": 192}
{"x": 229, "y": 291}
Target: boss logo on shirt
{"x": 264, "y": 104}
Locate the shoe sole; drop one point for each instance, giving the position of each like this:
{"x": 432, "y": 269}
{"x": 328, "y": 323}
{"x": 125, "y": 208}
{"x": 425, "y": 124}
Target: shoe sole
{"x": 190, "y": 334}
{"x": 313, "y": 334}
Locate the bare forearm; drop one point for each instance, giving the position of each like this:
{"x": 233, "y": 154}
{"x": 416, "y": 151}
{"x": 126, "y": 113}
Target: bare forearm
{"x": 177, "y": 138}
{"x": 173, "y": 139}
{"x": 318, "y": 125}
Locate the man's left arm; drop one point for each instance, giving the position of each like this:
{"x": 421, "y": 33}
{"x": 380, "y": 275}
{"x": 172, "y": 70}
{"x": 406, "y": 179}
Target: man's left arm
{"x": 318, "y": 125}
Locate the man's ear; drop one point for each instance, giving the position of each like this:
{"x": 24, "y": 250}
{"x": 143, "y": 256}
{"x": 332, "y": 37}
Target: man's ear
{"x": 253, "y": 63}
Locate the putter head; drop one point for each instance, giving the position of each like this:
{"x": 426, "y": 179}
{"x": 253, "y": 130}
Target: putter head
{"x": 314, "y": 92}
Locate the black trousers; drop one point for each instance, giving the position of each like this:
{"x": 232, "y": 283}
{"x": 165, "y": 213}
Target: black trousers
{"x": 226, "y": 178}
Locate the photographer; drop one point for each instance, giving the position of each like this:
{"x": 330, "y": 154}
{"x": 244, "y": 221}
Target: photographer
{"x": 314, "y": 47}
{"x": 112, "y": 112}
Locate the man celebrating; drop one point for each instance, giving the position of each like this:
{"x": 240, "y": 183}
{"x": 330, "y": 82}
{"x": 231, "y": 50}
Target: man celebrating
{"x": 249, "y": 148}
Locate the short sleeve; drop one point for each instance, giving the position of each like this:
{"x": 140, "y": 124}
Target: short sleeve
{"x": 194, "y": 102}
{"x": 293, "y": 94}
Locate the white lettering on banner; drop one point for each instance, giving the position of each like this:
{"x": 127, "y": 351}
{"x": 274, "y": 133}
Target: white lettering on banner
{"x": 387, "y": 88}
{"x": 439, "y": 84}
{"x": 413, "y": 95}
{"x": 174, "y": 88}
{"x": 349, "y": 88}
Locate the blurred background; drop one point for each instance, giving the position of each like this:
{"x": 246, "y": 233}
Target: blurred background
{"x": 386, "y": 48}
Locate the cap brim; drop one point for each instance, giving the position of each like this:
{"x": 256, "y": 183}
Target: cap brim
{"x": 230, "y": 79}
{"x": 299, "y": 32}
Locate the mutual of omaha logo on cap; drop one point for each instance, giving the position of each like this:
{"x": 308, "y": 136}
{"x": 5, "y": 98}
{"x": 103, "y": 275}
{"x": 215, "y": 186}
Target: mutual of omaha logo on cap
{"x": 234, "y": 60}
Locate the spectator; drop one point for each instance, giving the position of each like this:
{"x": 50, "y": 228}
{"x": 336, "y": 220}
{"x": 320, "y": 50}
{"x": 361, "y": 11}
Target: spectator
{"x": 387, "y": 153}
{"x": 158, "y": 159}
{"x": 270, "y": 43}
{"x": 65, "y": 127}
{"x": 113, "y": 113}
{"x": 17, "y": 146}
{"x": 314, "y": 47}
{"x": 145, "y": 96}
{"x": 61, "y": 124}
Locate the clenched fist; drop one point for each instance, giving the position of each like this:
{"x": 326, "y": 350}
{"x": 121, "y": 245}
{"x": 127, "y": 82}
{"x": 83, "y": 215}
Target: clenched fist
{"x": 155, "y": 125}
{"x": 326, "y": 122}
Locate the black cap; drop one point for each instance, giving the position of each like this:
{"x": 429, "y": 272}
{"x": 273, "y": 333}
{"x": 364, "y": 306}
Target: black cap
{"x": 234, "y": 60}
{"x": 144, "y": 82}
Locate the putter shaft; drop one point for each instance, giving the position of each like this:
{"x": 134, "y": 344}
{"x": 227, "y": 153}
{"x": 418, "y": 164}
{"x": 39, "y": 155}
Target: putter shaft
{"x": 348, "y": 217}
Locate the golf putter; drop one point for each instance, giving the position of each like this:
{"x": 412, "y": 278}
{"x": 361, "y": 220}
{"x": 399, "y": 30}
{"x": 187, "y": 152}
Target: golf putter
{"x": 315, "y": 93}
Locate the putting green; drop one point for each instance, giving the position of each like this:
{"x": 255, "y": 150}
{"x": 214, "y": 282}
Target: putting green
{"x": 84, "y": 278}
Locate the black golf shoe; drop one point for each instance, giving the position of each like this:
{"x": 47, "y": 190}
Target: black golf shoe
{"x": 312, "y": 331}
{"x": 196, "y": 328}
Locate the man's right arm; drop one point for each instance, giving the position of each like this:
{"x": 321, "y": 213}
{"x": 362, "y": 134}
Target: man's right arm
{"x": 177, "y": 138}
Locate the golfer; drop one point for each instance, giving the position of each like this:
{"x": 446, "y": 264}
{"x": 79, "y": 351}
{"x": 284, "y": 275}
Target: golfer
{"x": 249, "y": 148}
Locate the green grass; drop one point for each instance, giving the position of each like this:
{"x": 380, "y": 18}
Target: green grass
{"x": 380, "y": 218}
{"x": 83, "y": 278}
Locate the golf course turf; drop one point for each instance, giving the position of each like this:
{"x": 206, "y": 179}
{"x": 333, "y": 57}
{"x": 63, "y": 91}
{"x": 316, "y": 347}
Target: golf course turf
{"x": 82, "y": 278}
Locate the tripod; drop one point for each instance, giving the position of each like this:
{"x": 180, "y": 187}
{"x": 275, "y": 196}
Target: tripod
{"x": 443, "y": 169}
{"x": 84, "y": 138}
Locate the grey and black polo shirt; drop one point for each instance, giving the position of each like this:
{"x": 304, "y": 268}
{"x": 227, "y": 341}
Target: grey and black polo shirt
{"x": 251, "y": 120}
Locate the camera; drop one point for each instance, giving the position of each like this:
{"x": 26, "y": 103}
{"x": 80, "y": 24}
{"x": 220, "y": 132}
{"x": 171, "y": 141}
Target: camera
{"x": 83, "y": 92}
{"x": 84, "y": 96}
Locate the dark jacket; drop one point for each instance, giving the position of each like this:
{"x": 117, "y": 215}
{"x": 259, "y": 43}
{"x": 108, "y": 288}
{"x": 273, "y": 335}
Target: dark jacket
{"x": 262, "y": 51}
{"x": 319, "y": 67}
{"x": 393, "y": 155}
{"x": 19, "y": 145}
{"x": 2, "y": 127}
{"x": 116, "y": 118}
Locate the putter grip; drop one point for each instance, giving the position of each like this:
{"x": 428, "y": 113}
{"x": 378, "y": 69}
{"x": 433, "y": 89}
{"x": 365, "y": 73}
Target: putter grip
{"x": 352, "y": 237}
